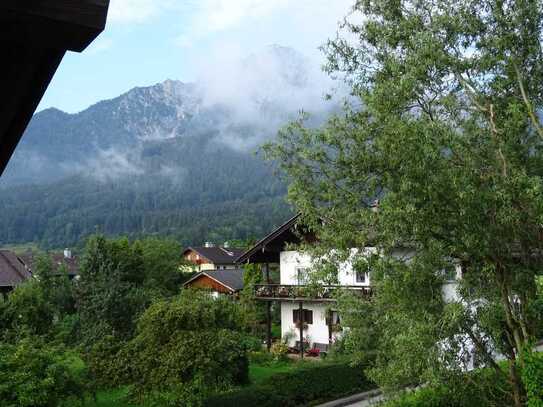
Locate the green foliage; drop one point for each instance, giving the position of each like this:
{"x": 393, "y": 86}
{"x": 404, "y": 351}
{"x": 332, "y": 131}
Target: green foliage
{"x": 35, "y": 374}
{"x": 27, "y": 310}
{"x": 260, "y": 357}
{"x": 40, "y": 305}
{"x": 110, "y": 291}
{"x": 107, "y": 363}
{"x": 308, "y": 384}
{"x": 161, "y": 260}
{"x": 279, "y": 351}
{"x": 482, "y": 388}
{"x": 532, "y": 376}
{"x": 444, "y": 135}
{"x": 186, "y": 345}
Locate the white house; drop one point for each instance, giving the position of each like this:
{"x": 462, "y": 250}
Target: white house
{"x": 305, "y": 313}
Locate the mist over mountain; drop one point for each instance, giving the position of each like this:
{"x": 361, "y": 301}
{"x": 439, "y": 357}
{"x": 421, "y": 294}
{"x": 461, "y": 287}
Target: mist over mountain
{"x": 174, "y": 158}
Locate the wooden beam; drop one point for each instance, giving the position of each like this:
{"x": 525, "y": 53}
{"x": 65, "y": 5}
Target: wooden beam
{"x": 61, "y": 24}
{"x": 301, "y": 322}
{"x": 268, "y": 311}
{"x": 24, "y": 83}
{"x": 35, "y": 36}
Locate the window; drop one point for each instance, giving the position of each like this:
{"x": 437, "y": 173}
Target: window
{"x": 362, "y": 270}
{"x": 308, "y": 316}
{"x": 450, "y": 273}
{"x": 333, "y": 318}
{"x": 301, "y": 275}
{"x": 361, "y": 276}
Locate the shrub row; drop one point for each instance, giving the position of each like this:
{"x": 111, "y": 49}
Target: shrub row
{"x": 309, "y": 384}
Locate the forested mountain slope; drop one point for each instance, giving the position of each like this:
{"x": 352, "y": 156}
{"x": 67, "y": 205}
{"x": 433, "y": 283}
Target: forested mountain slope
{"x": 173, "y": 159}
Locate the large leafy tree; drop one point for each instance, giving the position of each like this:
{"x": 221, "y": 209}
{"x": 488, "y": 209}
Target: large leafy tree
{"x": 443, "y": 131}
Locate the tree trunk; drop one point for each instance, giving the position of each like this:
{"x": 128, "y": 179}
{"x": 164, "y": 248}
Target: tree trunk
{"x": 518, "y": 393}
{"x": 515, "y": 332}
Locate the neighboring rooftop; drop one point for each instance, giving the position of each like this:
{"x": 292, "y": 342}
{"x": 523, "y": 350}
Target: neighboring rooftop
{"x": 229, "y": 278}
{"x": 12, "y": 269}
{"x": 217, "y": 254}
{"x": 65, "y": 258}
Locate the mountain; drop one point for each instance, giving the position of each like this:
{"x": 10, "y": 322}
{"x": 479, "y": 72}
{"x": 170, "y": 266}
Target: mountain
{"x": 173, "y": 159}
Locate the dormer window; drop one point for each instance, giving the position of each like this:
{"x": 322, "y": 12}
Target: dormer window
{"x": 361, "y": 270}
{"x": 301, "y": 275}
{"x": 361, "y": 277}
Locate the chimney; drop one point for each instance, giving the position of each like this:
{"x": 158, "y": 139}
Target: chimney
{"x": 67, "y": 254}
{"x": 209, "y": 244}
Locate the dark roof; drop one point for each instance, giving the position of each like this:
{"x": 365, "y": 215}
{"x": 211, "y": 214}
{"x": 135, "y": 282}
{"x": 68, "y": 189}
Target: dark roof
{"x": 71, "y": 263}
{"x": 268, "y": 248}
{"x": 230, "y": 278}
{"x": 12, "y": 269}
{"x": 217, "y": 254}
{"x": 35, "y": 37}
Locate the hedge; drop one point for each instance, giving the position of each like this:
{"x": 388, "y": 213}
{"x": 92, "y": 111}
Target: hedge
{"x": 309, "y": 384}
{"x": 532, "y": 376}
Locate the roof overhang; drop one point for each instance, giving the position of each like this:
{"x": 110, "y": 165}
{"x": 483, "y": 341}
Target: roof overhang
{"x": 268, "y": 249}
{"x": 35, "y": 36}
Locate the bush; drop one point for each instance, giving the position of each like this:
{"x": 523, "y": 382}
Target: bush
{"x": 279, "y": 351}
{"x": 107, "y": 362}
{"x": 312, "y": 383}
{"x": 34, "y": 374}
{"x": 261, "y": 358}
{"x": 27, "y": 310}
{"x": 191, "y": 341}
{"x": 481, "y": 388}
{"x": 532, "y": 376}
{"x": 252, "y": 343}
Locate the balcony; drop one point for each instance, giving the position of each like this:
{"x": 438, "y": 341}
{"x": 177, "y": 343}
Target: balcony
{"x": 285, "y": 292}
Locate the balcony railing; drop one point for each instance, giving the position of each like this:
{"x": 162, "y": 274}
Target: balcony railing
{"x": 305, "y": 292}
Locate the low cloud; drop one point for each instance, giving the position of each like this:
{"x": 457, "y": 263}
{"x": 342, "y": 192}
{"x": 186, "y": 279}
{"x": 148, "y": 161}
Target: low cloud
{"x": 262, "y": 91}
{"x": 111, "y": 164}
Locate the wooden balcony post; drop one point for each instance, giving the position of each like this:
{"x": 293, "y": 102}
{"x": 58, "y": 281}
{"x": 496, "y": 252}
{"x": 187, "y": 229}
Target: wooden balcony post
{"x": 330, "y": 322}
{"x": 301, "y": 322}
{"x": 268, "y": 310}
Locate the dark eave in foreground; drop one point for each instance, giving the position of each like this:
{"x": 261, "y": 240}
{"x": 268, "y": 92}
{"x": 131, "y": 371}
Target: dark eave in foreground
{"x": 35, "y": 36}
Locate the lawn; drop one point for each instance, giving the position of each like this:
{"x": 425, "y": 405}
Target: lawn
{"x": 109, "y": 398}
{"x": 259, "y": 373}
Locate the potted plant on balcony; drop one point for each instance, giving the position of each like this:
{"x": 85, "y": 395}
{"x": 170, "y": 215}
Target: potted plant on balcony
{"x": 283, "y": 291}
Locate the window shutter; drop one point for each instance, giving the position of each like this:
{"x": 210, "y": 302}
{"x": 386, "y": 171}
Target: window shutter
{"x": 296, "y": 316}
{"x": 308, "y": 316}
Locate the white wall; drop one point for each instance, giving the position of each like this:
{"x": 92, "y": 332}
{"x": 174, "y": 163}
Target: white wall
{"x": 290, "y": 261}
{"x": 316, "y": 332}
{"x": 449, "y": 289}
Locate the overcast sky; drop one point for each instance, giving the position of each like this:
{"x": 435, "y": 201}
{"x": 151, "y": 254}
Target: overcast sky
{"x": 148, "y": 41}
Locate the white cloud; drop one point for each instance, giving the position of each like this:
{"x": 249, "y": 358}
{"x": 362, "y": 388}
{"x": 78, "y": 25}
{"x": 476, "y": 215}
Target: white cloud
{"x": 134, "y": 11}
{"x": 99, "y": 45}
{"x": 210, "y": 17}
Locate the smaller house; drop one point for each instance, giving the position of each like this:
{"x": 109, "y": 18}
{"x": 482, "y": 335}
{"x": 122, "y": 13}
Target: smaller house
{"x": 65, "y": 258}
{"x": 12, "y": 271}
{"x": 228, "y": 281}
{"x": 211, "y": 257}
